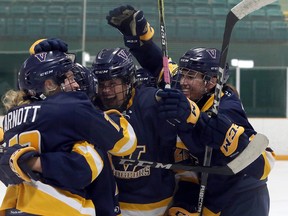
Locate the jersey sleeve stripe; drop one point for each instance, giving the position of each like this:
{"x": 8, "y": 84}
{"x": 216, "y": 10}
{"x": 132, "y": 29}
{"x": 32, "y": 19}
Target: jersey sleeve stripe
{"x": 127, "y": 144}
{"x": 92, "y": 157}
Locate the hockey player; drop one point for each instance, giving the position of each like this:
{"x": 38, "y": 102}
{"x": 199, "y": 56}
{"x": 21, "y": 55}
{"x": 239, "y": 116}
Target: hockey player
{"x": 243, "y": 194}
{"x": 57, "y": 168}
{"x": 200, "y": 89}
{"x": 142, "y": 190}
{"x": 181, "y": 205}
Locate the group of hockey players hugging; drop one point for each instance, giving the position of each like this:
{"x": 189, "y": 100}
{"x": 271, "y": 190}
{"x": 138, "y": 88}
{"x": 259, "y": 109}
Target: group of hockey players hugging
{"x": 68, "y": 126}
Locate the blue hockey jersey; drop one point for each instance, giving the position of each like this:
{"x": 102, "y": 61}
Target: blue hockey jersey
{"x": 72, "y": 138}
{"x": 223, "y": 189}
{"x": 144, "y": 190}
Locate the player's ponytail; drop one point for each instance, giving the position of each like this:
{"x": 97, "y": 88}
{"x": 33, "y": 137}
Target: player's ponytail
{"x": 14, "y": 98}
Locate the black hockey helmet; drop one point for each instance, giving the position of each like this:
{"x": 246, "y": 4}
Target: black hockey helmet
{"x": 204, "y": 60}
{"x": 143, "y": 77}
{"x": 40, "y": 67}
{"x": 114, "y": 63}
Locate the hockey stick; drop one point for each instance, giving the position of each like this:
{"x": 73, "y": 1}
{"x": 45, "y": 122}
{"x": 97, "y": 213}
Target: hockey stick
{"x": 166, "y": 72}
{"x": 237, "y": 13}
{"x": 246, "y": 157}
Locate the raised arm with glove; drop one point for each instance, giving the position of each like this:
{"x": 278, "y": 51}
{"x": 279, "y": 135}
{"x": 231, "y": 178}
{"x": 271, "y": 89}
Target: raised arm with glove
{"x": 132, "y": 24}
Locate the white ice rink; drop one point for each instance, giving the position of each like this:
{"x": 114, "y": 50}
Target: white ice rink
{"x": 278, "y": 187}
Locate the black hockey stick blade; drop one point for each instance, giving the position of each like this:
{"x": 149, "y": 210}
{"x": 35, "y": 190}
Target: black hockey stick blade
{"x": 244, "y": 159}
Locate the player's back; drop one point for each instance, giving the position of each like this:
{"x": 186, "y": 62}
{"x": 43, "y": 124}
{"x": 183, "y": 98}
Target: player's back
{"x": 45, "y": 125}
{"x": 52, "y": 126}
{"x": 61, "y": 120}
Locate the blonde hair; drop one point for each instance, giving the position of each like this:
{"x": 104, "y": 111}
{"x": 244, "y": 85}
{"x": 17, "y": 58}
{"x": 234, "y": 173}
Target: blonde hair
{"x": 14, "y": 98}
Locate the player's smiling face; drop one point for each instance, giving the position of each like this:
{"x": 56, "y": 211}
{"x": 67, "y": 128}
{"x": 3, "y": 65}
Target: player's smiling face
{"x": 112, "y": 93}
{"x": 192, "y": 84}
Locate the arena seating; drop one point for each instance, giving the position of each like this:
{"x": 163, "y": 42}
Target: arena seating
{"x": 205, "y": 19}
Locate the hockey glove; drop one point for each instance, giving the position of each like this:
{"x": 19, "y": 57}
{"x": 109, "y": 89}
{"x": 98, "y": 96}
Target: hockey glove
{"x": 3, "y": 177}
{"x": 132, "y": 24}
{"x": 185, "y": 199}
{"x": 14, "y": 164}
{"x": 218, "y": 132}
{"x": 46, "y": 45}
{"x": 177, "y": 109}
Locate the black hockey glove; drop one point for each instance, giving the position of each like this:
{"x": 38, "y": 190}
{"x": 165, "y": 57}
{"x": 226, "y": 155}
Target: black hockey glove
{"x": 3, "y": 177}
{"x": 218, "y": 132}
{"x": 46, "y": 45}
{"x": 185, "y": 199}
{"x": 13, "y": 164}
{"x": 132, "y": 24}
{"x": 177, "y": 109}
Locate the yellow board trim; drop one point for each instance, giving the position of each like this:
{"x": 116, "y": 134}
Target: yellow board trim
{"x": 281, "y": 157}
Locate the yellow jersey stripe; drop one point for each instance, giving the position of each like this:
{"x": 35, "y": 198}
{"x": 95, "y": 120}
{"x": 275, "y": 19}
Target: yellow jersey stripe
{"x": 41, "y": 199}
{"x": 92, "y": 157}
{"x": 127, "y": 144}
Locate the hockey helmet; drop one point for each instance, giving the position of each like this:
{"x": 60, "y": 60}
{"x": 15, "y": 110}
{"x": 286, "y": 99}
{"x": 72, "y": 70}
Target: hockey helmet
{"x": 204, "y": 60}
{"x": 114, "y": 63}
{"x": 143, "y": 77}
{"x": 40, "y": 67}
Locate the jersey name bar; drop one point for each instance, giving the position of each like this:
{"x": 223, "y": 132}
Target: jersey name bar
{"x": 20, "y": 116}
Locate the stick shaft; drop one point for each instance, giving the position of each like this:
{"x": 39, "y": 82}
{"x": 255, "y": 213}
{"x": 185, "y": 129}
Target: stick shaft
{"x": 235, "y": 14}
{"x": 163, "y": 35}
{"x": 244, "y": 159}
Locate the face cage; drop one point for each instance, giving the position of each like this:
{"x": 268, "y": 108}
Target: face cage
{"x": 121, "y": 105}
{"x": 69, "y": 82}
{"x": 87, "y": 83}
{"x": 191, "y": 74}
